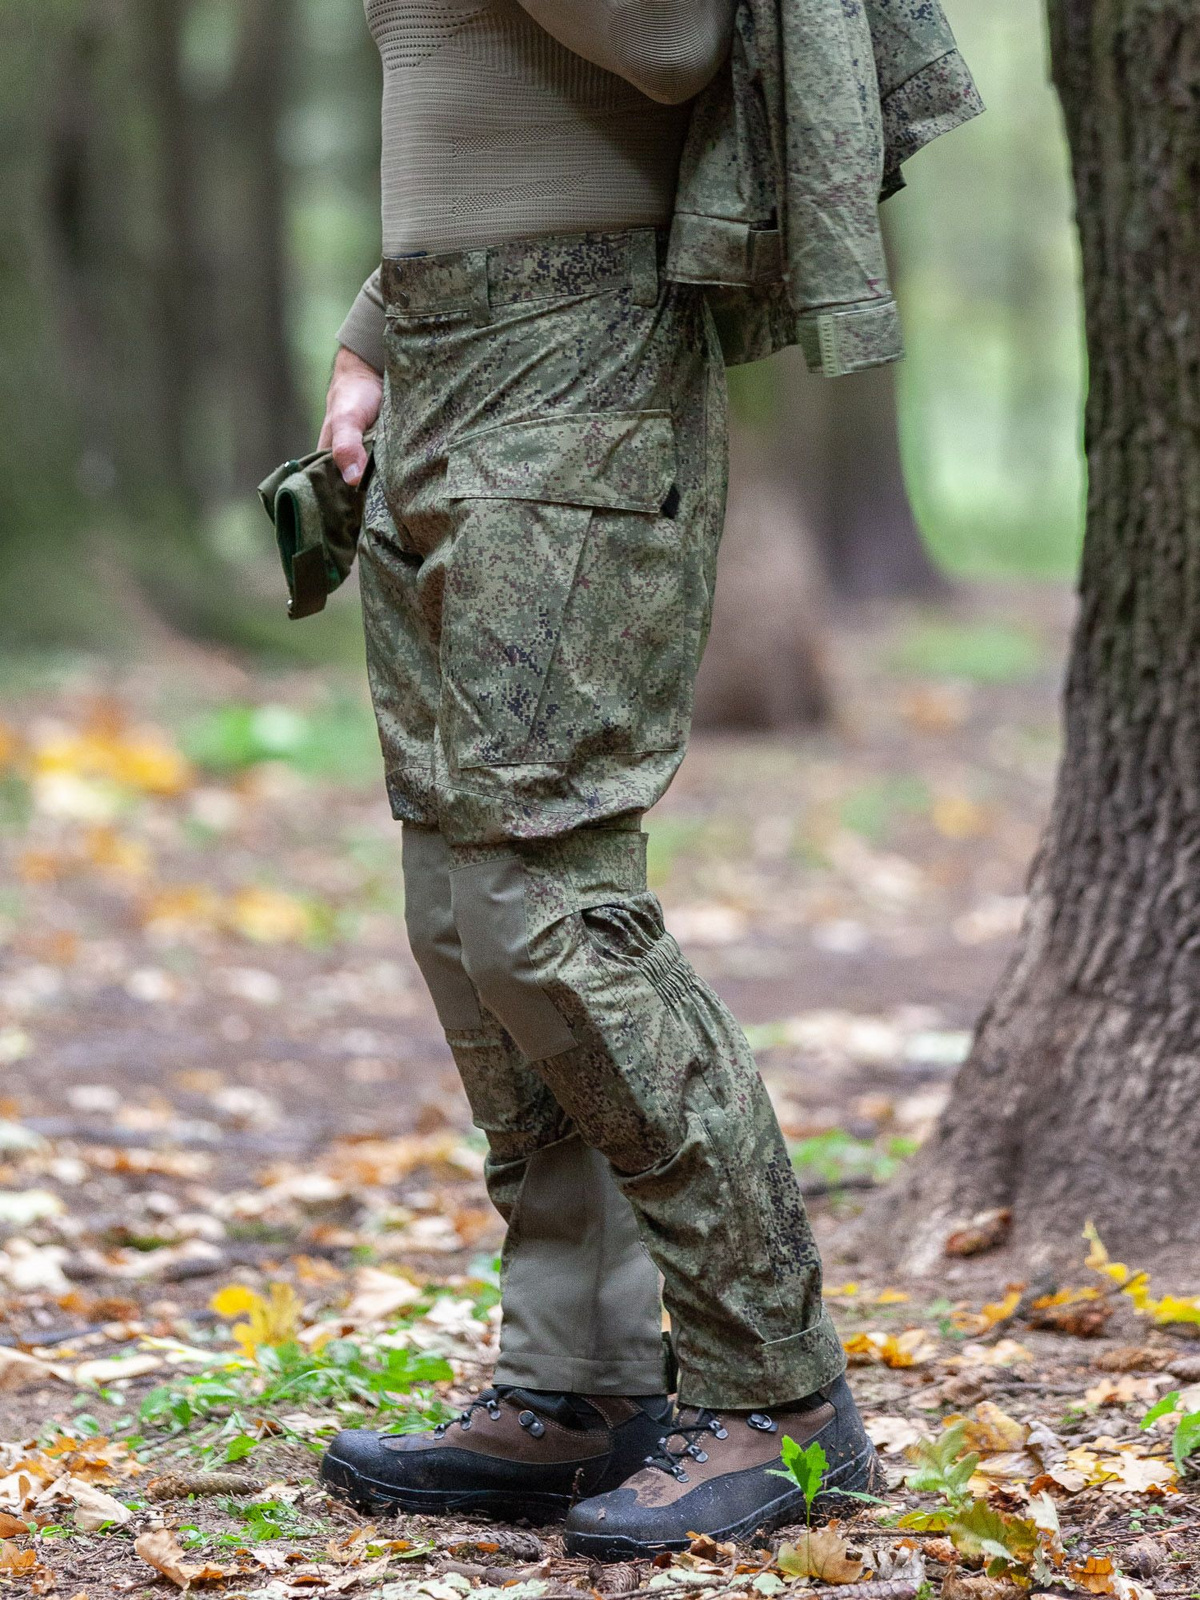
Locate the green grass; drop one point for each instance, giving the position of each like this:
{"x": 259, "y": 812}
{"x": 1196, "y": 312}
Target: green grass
{"x": 338, "y": 739}
{"x": 988, "y": 653}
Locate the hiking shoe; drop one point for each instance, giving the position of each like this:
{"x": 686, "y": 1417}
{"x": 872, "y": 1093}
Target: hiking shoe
{"x": 513, "y": 1453}
{"x": 712, "y": 1474}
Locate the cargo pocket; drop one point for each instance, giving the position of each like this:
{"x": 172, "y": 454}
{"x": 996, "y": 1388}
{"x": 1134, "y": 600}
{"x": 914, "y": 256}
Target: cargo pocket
{"x": 563, "y": 635}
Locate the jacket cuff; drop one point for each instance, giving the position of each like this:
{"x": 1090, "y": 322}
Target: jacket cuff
{"x": 844, "y": 339}
{"x": 362, "y": 332}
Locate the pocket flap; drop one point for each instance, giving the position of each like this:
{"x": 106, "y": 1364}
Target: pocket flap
{"x": 620, "y": 460}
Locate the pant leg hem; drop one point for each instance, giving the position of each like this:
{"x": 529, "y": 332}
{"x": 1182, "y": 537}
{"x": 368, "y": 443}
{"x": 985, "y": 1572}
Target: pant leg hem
{"x": 531, "y": 1369}
{"x": 770, "y": 1375}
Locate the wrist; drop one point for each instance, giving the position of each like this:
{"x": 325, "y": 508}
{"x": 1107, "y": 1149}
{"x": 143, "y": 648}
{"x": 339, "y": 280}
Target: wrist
{"x": 347, "y": 363}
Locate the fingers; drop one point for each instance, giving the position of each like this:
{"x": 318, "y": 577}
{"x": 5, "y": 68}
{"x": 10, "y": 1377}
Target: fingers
{"x": 349, "y": 452}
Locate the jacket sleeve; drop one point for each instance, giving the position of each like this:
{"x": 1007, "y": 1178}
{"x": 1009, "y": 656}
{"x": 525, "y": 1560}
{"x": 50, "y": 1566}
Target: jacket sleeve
{"x": 363, "y": 328}
{"x": 669, "y": 49}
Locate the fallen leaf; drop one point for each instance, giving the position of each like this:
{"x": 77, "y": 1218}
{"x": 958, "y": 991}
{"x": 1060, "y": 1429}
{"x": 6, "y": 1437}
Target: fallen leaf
{"x": 912, "y": 1348}
{"x": 1123, "y": 1391}
{"x": 20, "y": 1371}
{"x": 1082, "y": 1313}
{"x": 1133, "y": 1358}
{"x": 161, "y": 1550}
{"x": 93, "y": 1508}
{"x": 16, "y": 1562}
{"x": 378, "y": 1296}
{"x": 991, "y": 1430}
{"x": 988, "y": 1230}
{"x": 991, "y": 1315}
{"x": 12, "y": 1527}
{"x": 106, "y": 1371}
{"x": 890, "y": 1435}
{"x": 821, "y": 1553}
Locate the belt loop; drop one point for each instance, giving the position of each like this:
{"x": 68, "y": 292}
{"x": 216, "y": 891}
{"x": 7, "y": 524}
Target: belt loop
{"x": 476, "y": 263}
{"x": 643, "y": 266}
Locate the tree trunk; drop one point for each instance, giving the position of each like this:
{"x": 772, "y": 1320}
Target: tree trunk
{"x": 1081, "y": 1098}
{"x": 838, "y": 452}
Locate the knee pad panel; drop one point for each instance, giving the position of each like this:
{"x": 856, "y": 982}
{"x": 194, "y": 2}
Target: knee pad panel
{"x": 488, "y": 899}
{"x": 431, "y": 932}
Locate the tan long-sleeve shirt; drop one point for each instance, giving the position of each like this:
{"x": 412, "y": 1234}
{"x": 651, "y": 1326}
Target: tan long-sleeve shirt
{"x": 507, "y": 119}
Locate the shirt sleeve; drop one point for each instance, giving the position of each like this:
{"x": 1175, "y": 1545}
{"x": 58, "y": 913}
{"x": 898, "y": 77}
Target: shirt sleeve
{"x": 669, "y": 49}
{"x": 363, "y": 328}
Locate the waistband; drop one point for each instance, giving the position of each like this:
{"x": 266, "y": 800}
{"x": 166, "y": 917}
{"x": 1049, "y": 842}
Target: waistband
{"x": 526, "y": 269}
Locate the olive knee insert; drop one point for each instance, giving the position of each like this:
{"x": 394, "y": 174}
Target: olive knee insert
{"x": 488, "y": 901}
{"x": 431, "y": 932}
{"x": 582, "y": 1308}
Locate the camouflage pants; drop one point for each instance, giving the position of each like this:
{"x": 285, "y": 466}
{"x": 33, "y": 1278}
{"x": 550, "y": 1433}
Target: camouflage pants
{"x": 537, "y": 570}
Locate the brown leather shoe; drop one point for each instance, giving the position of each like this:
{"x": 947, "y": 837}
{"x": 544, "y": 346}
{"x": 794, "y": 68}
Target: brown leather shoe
{"x": 714, "y": 1475}
{"x": 513, "y": 1453}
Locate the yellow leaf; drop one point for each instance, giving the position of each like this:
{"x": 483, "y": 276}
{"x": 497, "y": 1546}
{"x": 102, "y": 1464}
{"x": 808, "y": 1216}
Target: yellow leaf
{"x": 996, "y": 1311}
{"x": 912, "y": 1348}
{"x": 843, "y": 1291}
{"x": 233, "y": 1300}
{"x": 268, "y": 916}
{"x": 1095, "y": 1575}
{"x": 992, "y": 1430}
{"x": 892, "y": 1297}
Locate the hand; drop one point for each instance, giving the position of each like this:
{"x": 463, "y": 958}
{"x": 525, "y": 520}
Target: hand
{"x": 351, "y": 407}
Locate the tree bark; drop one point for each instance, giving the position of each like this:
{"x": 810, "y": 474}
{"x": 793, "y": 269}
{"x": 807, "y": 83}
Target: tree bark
{"x": 1081, "y": 1099}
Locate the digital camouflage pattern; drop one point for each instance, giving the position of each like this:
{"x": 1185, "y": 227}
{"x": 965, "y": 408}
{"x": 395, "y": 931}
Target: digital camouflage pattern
{"x": 537, "y": 571}
{"x": 789, "y": 152}
{"x": 540, "y": 542}
{"x": 317, "y": 518}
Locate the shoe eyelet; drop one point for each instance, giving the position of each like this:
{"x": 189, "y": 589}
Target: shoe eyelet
{"x": 465, "y": 1424}
{"x": 681, "y": 1475}
{"x": 700, "y": 1455}
{"x": 761, "y": 1423}
{"x": 532, "y": 1424}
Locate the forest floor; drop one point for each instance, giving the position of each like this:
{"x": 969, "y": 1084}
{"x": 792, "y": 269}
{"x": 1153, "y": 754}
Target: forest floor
{"x": 242, "y": 1202}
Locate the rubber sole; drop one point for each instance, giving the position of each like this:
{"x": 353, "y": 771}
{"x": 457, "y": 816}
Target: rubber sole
{"x": 854, "y": 1477}
{"x": 378, "y": 1498}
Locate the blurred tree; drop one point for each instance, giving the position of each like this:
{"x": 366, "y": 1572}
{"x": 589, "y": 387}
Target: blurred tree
{"x": 145, "y": 290}
{"x": 837, "y": 450}
{"x": 1080, "y": 1099}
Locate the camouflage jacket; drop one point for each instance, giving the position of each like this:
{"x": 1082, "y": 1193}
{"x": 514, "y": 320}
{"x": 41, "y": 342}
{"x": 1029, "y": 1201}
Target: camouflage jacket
{"x": 789, "y": 153}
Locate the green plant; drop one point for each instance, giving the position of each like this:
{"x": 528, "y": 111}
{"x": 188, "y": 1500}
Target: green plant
{"x": 806, "y": 1468}
{"x": 1185, "y": 1442}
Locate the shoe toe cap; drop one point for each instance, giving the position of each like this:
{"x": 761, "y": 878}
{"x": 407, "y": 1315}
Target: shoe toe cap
{"x": 353, "y": 1452}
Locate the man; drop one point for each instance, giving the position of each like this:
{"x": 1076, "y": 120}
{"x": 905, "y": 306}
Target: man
{"x": 538, "y": 559}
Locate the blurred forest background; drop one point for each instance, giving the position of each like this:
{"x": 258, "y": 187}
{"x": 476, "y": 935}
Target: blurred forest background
{"x": 190, "y": 202}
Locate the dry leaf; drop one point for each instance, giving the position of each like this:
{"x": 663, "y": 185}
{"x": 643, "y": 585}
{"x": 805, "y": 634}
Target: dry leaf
{"x": 20, "y": 1371}
{"x": 821, "y": 1553}
{"x": 12, "y": 1527}
{"x": 1134, "y": 1358}
{"x": 1123, "y": 1391}
{"x": 983, "y": 1321}
{"x": 890, "y": 1435}
{"x": 16, "y": 1562}
{"x": 378, "y": 1296}
{"x": 93, "y": 1508}
{"x": 1083, "y": 1313}
{"x": 988, "y": 1230}
{"x": 161, "y": 1550}
{"x": 912, "y": 1348}
{"x": 991, "y": 1430}
{"x": 89, "y": 1373}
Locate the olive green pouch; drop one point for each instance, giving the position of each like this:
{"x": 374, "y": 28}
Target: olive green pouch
{"x": 318, "y": 518}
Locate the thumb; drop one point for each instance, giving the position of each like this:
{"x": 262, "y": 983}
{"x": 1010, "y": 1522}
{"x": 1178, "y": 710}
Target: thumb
{"x": 349, "y": 453}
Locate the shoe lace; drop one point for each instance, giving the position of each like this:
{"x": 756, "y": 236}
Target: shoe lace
{"x": 693, "y": 1433}
{"x": 488, "y": 1401}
